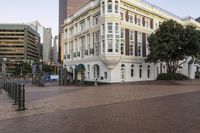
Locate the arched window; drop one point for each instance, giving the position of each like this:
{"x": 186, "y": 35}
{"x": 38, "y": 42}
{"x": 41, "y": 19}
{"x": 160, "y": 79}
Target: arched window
{"x": 140, "y": 71}
{"x": 116, "y": 7}
{"x": 109, "y": 6}
{"x": 148, "y": 71}
{"x": 132, "y": 71}
{"x": 96, "y": 70}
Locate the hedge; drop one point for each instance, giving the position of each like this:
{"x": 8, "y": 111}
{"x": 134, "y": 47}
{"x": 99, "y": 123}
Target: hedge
{"x": 169, "y": 76}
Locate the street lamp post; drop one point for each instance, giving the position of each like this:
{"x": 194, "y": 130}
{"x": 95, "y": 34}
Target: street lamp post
{"x": 21, "y": 73}
{"x": 3, "y": 69}
{"x": 61, "y": 75}
{"x": 65, "y": 75}
{"x": 42, "y": 75}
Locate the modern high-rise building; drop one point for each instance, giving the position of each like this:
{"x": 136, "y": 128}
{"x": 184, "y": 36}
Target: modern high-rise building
{"x": 55, "y": 49}
{"x": 45, "y": 41}
{"x": 66, "y": 9}
{"x": 106, "y": 40}
{"x": 18, "y": 43}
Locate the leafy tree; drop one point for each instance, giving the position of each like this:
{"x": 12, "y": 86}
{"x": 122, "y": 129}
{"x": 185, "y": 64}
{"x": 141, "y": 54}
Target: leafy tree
{"x": 25, "y": 68}
{"x": 47, "y": 68}
{"x": 173, "y": 44}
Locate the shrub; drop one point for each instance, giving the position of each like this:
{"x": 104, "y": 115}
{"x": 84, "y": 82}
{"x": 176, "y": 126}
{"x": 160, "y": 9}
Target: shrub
{"x": 197, "y": 75}
{"x": 91, "y": 83}
{"x": 169, "y": 76}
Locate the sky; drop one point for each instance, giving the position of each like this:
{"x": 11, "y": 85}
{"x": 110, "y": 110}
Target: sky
{"x": 46, "y": 11}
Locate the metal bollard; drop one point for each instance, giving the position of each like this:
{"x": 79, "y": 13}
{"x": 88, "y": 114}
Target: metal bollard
{"x": 9, "y": 89}
{"x": 16, "y": 94}
{"x": 4, "y": 86}
{"x": 21, "y": 100}
{"x": 23, "y": 97}
{"x": 12, "y": 91}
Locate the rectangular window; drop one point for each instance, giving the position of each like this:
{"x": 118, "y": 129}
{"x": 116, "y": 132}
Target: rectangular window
{"x": 131, "y": 19}
{"x": 122, "y": 41}
{"x": 105, "y": 75}
{"x": 139, "y": 37}
{"x": 122, "y": 16}
{"x": 122, "y": 48}
{"x": 76, "y": 45}
{"x": 122, "y": 33}
{"x": 103, "y": 29}
{"x": 116, "y": 45}
{"x": 71, "y": 32}
{"x": 82, "y": 25}
{"x": 116, "y": 28}
{"x": 147, "y": 45}
{"x": 96, "y": 19}
{"x": 88, "y": 22}
{"x": 76, "y": 28}
{"x": 97, "y": 38}
{"x": 88, "y": 40}
{"x": 139, "y": 21}
{"x": 109, "y": 7}
{"x": 116, "y": 8}
{"x": 66, "y": 36}
{"x": 147, "y": 24}
{"x": 139, "y": 50}
{"x": 132, "y": 35}
{"x": 110, "y": 47}
{"x": 103, "y": 45}
{"x": 132, "y": 41}
{"x": 110, "y": 29}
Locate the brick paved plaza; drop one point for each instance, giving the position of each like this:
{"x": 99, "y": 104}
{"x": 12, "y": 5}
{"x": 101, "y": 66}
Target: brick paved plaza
{"x": 141, "y": 107}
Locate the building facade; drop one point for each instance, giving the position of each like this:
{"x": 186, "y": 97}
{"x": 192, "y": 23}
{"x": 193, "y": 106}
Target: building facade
{"x": 18, "y": 43}
{"x": 55, "y": 49}
{"x": 66, "y": 9}
{"x": 106, "y": 40}
{"x": 45, "y": 40}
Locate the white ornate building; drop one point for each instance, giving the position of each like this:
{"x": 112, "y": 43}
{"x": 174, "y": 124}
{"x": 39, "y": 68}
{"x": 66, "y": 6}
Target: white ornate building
{"x": 107, "y": 40}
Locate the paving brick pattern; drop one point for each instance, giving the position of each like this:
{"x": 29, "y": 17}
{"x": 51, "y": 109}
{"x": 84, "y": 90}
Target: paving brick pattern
{"x": 134, "y": 108}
